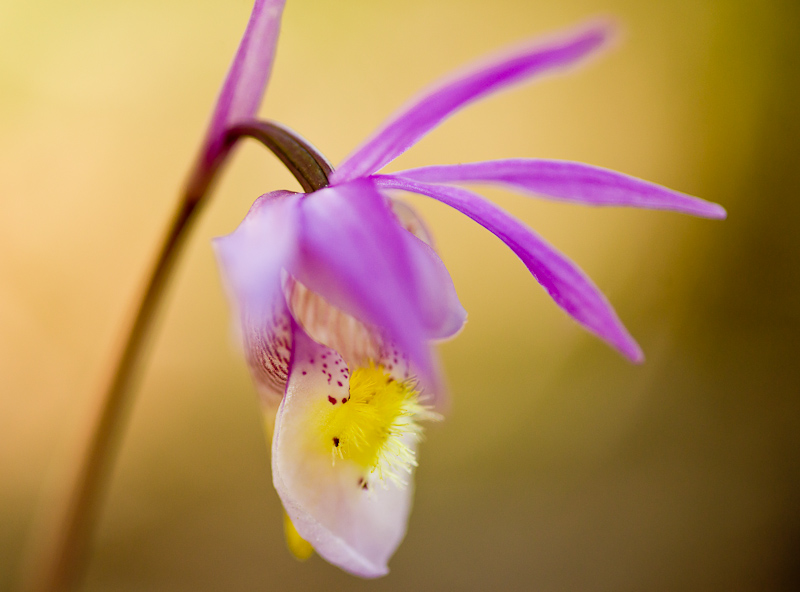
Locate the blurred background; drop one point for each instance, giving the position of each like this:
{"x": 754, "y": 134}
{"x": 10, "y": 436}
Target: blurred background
{"x": 561, "y": 466}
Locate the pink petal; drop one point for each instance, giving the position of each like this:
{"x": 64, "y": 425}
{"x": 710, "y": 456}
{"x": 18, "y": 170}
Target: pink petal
{"x": 423, "y": 114}
{"x": 569, "y": 181}
{"x": 443, "y": 313}
{"x": 571, "y": 289}
{"x": 356, "y": 256}
{"x": 247, "y": 77}
{"x": 253, "y": 256}
{"x": 353, "y": 528}
{"x": 441, "y": 310}
{"x": 267, "y": 343}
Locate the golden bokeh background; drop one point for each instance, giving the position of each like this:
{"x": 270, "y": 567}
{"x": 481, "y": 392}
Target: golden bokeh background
{"x": 561, "y": 466}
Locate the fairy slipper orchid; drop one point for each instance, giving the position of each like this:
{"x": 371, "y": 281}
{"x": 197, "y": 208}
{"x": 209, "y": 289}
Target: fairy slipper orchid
{"x": 341, "y": 296}
{"x": 339, "y": 302}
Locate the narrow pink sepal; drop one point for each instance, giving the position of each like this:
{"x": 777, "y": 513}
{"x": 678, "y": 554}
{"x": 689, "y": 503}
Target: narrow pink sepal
{"x": 247, "y": 77}
{"x": 567, "y": 285}
{"x": 428, "y": 110}
{"x": 569, "y": 181}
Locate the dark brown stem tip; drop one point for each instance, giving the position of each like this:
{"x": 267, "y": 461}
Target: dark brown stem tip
{"x": 304, "y": 161}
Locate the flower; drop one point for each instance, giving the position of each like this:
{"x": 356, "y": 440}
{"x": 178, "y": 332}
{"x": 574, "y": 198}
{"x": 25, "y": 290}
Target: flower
{"x": 340, "y": 297}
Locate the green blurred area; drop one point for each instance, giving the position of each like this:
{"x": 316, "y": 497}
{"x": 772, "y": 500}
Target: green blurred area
{"x": 560, "y": 467}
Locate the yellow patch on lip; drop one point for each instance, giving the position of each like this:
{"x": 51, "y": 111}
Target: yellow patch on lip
{"x": 376, "y": 425}
{"x": 298, "y": 546}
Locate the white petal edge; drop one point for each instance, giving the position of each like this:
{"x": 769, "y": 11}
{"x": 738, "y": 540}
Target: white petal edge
{"x": 355, "y": 529}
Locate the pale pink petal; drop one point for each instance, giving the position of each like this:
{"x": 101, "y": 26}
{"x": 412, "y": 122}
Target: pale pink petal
{"x": 252, "y": 259}
{"x": 428, "y": 110}
{"x": 444, "y": 316}
{"x": 438, "y": 303}
{"x": 253, "y": 256}
{"x": 354, "y": 528}
{"x": 568, "y": 181}
{"x": 569, "y": 287}
{"x": 411, "y": 221}
{"x": 357, "y": 343}
{"x": 360, "y": 345}
{"x": 267, "y": 341}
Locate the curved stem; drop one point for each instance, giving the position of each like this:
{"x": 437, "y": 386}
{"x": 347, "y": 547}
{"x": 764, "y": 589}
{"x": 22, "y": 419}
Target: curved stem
{"x": 60, "y": 560}
{"x": 64, "y": 554}
{"x": 308, "y": 166}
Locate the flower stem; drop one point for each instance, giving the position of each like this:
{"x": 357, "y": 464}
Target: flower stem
{"x": 310, "y": 168}
{"x": 61, "y": 556}
{"x": 61, "y": 552}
